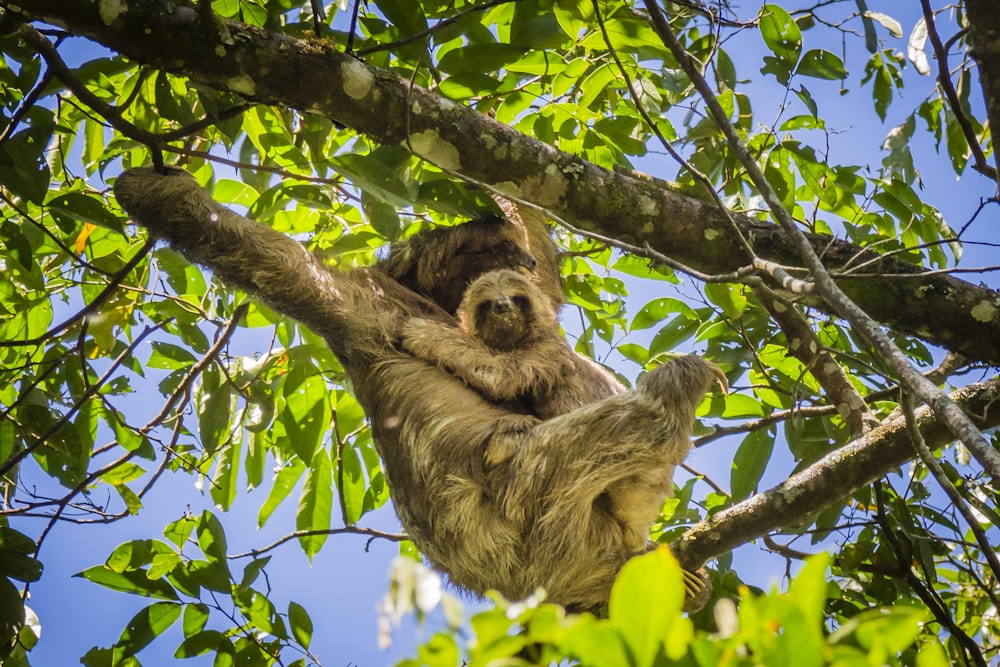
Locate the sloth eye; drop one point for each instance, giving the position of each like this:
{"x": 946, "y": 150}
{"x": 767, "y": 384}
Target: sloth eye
{"x": 522, "y": 303}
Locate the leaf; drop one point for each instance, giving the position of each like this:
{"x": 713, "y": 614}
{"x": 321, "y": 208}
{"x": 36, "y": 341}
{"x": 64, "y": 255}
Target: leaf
{"x": 201, "y": 643}
{"x": 645, "y": 606}
{"x": 224, "y": 486}
{"x": 657, "y": 310}
{"x": 307, "y": 413}
{"x": 212, "y": 539}
{"x": 285, "y": 481}
{"x": 749, "y": 463}
{"x": 822, "y": 64}
{"x": 132, "y": 581}
{"x": 179, "y": 531}
{"x": 316, "y": 504}
{"x": 887, "y": 22}
{"x": 302, "y": 627}
{"x": 480, "y": 58}
{"x": 354, "y": 484}
{"x": 22, "y": 162}
{"x": 144, "y": 627}
{"x": 214, "y": 402}
{"x": 11, "y": 612}
{"x": 408, "y": 17}
{"x": 915, "y": 52}
{"x": 20, "y": 567}
{"x": 809, "y": 588}
{"x": 252, "y": 570}
{"x": 781, "y": 34}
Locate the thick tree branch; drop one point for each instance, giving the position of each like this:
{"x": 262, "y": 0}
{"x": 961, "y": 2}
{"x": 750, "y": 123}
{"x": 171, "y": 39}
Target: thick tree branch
{"x": 311, "y": 76}
{"x": 831, "y": 478}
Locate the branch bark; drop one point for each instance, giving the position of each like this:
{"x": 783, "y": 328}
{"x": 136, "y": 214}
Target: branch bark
{"x": 831, "y": 478}
{"x": 311, "y": 76}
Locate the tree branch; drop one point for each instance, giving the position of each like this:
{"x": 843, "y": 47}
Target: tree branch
{"x": 270, "y": 68}
{"x": 858, "y": 463}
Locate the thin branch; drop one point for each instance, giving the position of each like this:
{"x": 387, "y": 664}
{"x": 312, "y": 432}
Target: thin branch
{"x": 346, "y": 530}
{"x": 920, "y": 445}
{"x": 929, "y": 598}
{"x": 944, "y": 79}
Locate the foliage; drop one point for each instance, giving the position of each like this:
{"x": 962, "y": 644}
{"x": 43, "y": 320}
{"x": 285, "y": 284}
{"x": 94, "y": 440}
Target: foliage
{"x": 120, "y": 362}
{"x": 645, "y": 627}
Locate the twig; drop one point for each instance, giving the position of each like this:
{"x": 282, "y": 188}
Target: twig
{"x": 944, "y": 78}
{"x": 349, "y": 530}
{"x": 925, "y": 454}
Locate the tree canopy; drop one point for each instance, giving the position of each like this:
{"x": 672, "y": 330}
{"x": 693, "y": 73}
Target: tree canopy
{"x": 762, "y": 185}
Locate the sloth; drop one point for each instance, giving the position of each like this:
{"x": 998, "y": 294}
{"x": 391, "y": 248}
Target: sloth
{"x": 508, "y": 347}
{"x": 536, "y": 518}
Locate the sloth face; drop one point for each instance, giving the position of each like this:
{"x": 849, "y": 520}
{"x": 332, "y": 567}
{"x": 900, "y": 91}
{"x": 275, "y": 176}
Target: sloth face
{"x": 505, "y": 310}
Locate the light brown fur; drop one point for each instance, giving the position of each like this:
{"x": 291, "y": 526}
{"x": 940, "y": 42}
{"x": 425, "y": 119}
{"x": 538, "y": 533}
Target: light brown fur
{"x": 509, "y": 348}
{"x": 534, "y": 520}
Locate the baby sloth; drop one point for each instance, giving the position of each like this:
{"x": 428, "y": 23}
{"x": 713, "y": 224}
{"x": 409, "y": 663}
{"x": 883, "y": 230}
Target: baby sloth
{"x": 509, "y": 348}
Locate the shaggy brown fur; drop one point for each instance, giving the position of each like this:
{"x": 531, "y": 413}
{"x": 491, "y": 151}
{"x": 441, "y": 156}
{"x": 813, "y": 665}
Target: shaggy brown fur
{"x": 440, "y": 263}
{"x": 509, "y": 348}
{"x": 534, "y": 520}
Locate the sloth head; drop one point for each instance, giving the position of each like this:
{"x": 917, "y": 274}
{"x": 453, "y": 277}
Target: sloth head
{"x": 506, "y": 310}
{"x": 440, "y": 263}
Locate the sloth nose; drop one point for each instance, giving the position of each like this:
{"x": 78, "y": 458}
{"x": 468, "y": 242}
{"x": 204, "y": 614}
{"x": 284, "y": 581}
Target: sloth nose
{"x": 502, "y": 305}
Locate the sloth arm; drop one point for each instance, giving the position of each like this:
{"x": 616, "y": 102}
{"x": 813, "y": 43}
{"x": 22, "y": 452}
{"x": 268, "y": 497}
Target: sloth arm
{"x": 498, "y": 376}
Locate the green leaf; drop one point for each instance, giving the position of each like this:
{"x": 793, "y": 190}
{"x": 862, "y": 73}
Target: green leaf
{"x": 285, "y": 481}
{"x": 307, "y": 412}
{"x": 262, "y": 614}
{"x": 408, "y": 17}
{"x": 252, "y": 570}
{"x": 316, "y": 504}
{"x": 302, "y": 627}
{"x": 822, "y": 65}
{"x": 809, "y": 588}
{"x": 179, "y": 531}
{"x": 20, "y": 567}
{"x": 132, "y": 581}
{"x": 144, "y": 627}
{"x": 353, "y": 476}
{"x": 212, "y": 539}
{"x": 645, "y": 606}
{"x": 11, "y": 612}
{"x": 201, "y": 643}
{"x": 224, "y": 487}
{"x": 781, "y": 34}
{"x": 214, "y": 401}
{"x": 22, "y": 161}
{"x": 749, "y": 462}
{"x": 657, "y": 310}
{"x": 376, "y": 178}
{"x": 480, "y": 58}
{"x": 594, "y": 642}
